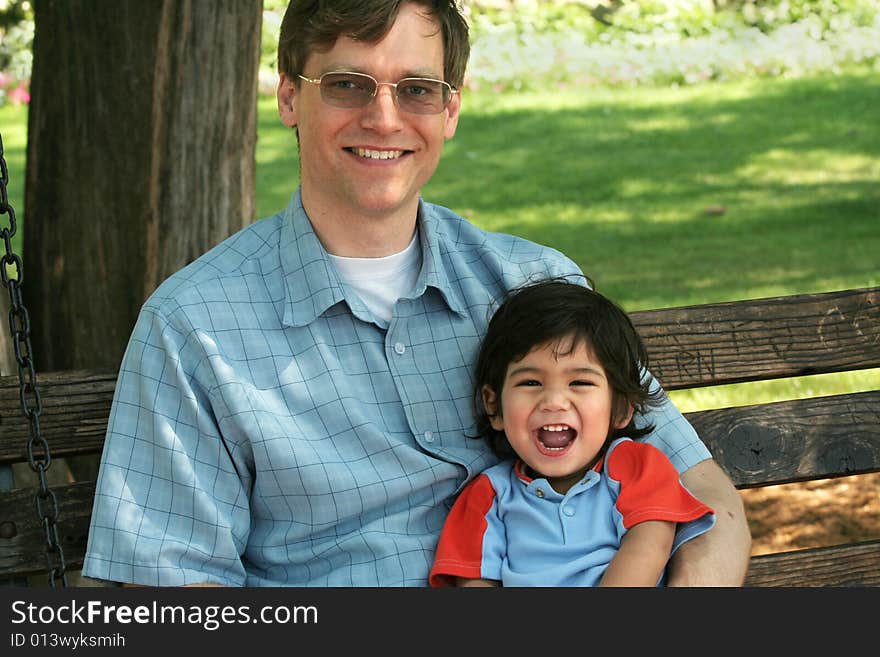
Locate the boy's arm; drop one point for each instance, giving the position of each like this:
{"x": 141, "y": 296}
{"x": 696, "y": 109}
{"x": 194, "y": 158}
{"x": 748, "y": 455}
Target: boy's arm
{"x": 719, "y": 557}
{"x": 643, "y": 554}
{"x": 474, "y": 583}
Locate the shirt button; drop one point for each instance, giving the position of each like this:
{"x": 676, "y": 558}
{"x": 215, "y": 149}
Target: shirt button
{"x": 399, "y": 348}
{"x": 539, "y": 493}
{"x": 568, "y": 510}
{"x": 429, "y": 436}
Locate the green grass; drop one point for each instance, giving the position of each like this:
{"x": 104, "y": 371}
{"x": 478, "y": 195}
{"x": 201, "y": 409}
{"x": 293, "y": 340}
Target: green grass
{"x": 630, "y": 183}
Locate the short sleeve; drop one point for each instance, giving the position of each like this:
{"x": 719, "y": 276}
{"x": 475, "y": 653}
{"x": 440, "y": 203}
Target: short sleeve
{"x": 170, "y": 505}
{"x": 466, "y": 543}
{"x": 649, "y": 486}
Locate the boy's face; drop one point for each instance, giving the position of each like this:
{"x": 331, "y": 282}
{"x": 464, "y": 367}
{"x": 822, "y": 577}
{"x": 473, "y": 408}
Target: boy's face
{"x": 556, "y": 411}
{"x": 373, "y": 160}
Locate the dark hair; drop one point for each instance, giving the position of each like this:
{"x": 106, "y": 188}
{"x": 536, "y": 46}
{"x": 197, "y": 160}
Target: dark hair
{"x": 566, "y": 314}
{"x": 310, "y": 25}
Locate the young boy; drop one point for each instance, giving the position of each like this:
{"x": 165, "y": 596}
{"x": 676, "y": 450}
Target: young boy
{"x": 559, "y": 378}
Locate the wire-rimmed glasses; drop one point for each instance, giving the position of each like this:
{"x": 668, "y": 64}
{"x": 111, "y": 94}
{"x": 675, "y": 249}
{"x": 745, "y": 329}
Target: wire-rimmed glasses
{"x": 350, "y": 90}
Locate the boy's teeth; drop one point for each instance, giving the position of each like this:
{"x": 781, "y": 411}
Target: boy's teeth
{"x": 555, "y": 427}
{"x": 377, "y": 155}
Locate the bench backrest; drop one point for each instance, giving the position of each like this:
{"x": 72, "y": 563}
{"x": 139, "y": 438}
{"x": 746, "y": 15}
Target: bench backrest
{"x": 689, "y": 347}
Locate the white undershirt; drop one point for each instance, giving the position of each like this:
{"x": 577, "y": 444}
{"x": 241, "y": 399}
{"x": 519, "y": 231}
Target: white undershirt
{"x": 380, "y": 282}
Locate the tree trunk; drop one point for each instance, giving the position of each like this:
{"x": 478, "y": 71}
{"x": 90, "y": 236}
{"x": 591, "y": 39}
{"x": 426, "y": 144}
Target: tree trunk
{"x": 7, "y": 352}
{"x": 141, "y": 141}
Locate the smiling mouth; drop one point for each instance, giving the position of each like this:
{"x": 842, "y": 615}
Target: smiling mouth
{"x": 377, "y": 155}
{"x": 554, "y": 439}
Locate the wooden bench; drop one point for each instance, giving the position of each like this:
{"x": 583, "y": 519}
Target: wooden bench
{"x": 690, "y": 347}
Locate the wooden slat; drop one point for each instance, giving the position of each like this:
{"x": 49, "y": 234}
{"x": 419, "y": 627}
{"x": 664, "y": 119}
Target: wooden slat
{"x": 796, "y": 440}
{"x": 76, "y": 406}
{"x": 763, "y": 339}
{"x": 856, "y": 564}
{"x": 22, "y": 539}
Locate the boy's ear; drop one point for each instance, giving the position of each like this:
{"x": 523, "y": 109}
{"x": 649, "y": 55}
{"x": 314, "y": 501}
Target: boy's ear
{"x": 625, "y": 419}
{"x": 490, "y": 403}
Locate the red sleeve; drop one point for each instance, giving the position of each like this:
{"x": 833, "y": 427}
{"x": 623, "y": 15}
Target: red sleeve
{"x": 460, "y": 550}
{"x": 650, "y": 488}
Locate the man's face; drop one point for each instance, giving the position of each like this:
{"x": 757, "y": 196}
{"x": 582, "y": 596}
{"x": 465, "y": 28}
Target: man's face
{"x": 370, "y": 162}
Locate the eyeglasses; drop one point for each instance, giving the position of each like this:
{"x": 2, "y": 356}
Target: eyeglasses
{"x": 414, "y": 95}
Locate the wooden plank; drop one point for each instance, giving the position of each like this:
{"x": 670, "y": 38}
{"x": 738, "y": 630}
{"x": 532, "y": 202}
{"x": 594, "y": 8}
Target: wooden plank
{"x": 762, "y": 339}
{"x": 796, "y": 440}
{"x": 76, "y": 406}
{"x": 856, "y": 564}
{"x": 22, "y": 539}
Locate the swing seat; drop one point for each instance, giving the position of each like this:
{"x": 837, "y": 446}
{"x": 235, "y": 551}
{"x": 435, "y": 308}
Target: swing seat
{"x": 760, "y": 445}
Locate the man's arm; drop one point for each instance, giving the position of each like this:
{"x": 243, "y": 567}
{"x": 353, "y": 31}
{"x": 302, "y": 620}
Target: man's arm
{"x": 719, "y": 557}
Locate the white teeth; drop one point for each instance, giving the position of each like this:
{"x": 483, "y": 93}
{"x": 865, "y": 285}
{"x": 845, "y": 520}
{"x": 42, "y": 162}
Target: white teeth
{"x": 377, "y": 155}
{"x": 555, "y": 427}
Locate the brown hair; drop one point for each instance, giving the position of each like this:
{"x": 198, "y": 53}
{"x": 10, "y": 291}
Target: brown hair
{"x": 310, "y": 25}
{"x": 565, "y": 314}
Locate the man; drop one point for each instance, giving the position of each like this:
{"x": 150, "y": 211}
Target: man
{"x": 293, "y": 407}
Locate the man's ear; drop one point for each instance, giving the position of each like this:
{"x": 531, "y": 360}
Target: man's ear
{"x": 452, "y": 114}
{"x": 286, "y": 93}
{"x": 492, "y": 406}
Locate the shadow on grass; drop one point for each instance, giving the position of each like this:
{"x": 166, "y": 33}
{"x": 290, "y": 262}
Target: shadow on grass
{"x": 686, "y": 196}
{"x": 684, "y": 139}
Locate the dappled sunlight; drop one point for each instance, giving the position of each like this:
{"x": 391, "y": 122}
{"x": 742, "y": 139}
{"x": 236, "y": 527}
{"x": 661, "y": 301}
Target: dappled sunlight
{"x": 816, "y": 166}
{"x": 809, "y": 514}
{"x": 813, "y": 514}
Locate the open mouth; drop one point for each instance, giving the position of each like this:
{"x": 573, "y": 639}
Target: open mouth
{"x": 371, "y": 154}
{"x": 555, "y": 439}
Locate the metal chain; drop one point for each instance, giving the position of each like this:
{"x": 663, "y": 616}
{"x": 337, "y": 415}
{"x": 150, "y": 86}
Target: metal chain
{"x": 38, "y": 454}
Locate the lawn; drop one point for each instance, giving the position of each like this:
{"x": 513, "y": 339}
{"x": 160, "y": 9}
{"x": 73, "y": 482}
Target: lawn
{"x": 664, "y": 196}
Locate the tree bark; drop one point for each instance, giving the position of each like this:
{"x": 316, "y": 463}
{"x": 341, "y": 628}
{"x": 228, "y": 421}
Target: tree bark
{"x": 141, "y": 156}
{"x": 7, "y": 352}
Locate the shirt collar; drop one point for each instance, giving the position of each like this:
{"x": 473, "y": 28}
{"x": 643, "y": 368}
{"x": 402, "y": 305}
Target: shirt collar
{"x": 312, "y": 282}
{"x": 438, "y": 270}
{"x": 521, "y": 470}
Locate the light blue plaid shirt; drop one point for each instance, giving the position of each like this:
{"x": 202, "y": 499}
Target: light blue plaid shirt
{"x": 268, "y": 430}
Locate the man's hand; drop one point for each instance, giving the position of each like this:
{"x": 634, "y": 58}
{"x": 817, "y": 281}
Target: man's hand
{"x": 720, "y": 557}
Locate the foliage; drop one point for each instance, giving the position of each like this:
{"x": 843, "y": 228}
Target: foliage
{"x": 16, "y": 39}
{"x": 520, "y": 44}
{"x": 273, "y": 12}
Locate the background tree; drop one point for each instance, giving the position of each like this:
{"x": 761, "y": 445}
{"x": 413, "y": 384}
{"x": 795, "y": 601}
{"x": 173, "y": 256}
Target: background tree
{"x": 141, "y": 140}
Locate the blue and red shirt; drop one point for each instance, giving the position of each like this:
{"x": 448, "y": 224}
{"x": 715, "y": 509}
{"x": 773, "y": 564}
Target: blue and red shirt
{"x": 509, "y": 527}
